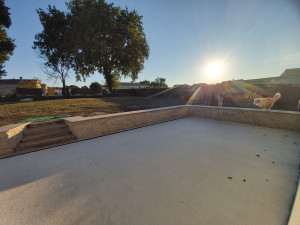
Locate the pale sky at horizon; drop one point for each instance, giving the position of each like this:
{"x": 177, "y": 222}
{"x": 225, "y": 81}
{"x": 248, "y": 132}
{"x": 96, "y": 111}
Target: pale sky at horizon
{"x": 252, "y": 39}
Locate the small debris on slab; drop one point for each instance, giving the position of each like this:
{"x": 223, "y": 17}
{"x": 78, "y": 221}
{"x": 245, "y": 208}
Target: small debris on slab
{"x": 258, "y": 155}
{"x": 244, "y": 180}
{"x": 229, "y": 178}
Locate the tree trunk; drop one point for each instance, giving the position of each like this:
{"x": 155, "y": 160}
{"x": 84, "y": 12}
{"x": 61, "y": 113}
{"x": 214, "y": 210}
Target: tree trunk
{"x": 64, "y": 89}
{"x": 109, "y": 79}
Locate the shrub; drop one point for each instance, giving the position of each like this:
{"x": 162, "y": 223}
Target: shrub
{"x": 95, "y": 88}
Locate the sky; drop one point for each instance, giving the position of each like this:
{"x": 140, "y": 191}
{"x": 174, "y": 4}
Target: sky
{"x": 250, "y": 39}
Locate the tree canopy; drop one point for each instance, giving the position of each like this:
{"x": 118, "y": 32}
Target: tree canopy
{"x": 108, "y": 39}
{"x": 146, "y": 82}
{"x": 159, "y": 82}
{"x": 92, "y": 36}
{"x": 7, "y": 45}
{"x": 53, "y": 44}
{"x": 95, "y": 88}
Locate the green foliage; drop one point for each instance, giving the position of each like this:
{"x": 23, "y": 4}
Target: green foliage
{"x": 54, "y": 45}
{"x": 108, "y": 39}
{"x": 95, "y": 88}
{"x": 75, "y": 90}
{"x": 30, "y": 92}
{"x": 7, "y": 45}
{"x": 92, "y": 36}
{"x": 159, "y": 82}
{"x": 84, "y": 90}
{"x": 4, "y": 15}
{"x": 43, "y": 118}
{"x": 115, "y": 80}
{"x": 147, "y": 82}
{"x": 104, "y": 92}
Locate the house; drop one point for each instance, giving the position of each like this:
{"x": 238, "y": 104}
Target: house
{"x": 58, "y": 90}
{"x": 289, "y": 76}
{"x": 131, "y": 85}
{"x": 8, "y": 86}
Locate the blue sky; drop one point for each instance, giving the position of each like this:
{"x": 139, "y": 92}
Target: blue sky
{"x": 251, "y": 39}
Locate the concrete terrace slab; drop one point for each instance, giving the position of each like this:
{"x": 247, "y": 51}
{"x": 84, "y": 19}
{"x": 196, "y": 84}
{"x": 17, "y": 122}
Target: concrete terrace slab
{"x": 171, "y": 173}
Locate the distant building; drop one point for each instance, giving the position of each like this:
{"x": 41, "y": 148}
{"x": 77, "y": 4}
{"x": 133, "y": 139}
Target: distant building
{"x": 58, "y": 90}
{"x": 45, "y": 89}
{"x": 8, "y": 86}
{"x": 289, "y": 76}
{"x": 131, "y": 85}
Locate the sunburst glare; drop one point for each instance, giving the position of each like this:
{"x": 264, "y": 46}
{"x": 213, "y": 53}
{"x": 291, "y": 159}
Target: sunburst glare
{"x": 214, "y": 69}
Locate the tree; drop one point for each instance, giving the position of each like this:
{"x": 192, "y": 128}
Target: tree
{"x": 108, "y": 39}
{"x": 96, "y": 88}
{"x": 146, "y": 82}
{"x": 84, "y": 90}
{"x": 159, "y": 82}
{"x": 7, "y": 45}
{"x": 75, "y": 90}
{"x": 54, "y": 45}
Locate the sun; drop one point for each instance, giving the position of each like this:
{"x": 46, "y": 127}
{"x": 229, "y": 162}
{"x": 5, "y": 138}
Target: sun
{"x": 214, "y": 69}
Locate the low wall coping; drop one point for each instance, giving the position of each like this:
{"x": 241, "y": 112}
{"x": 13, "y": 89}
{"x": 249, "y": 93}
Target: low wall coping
{"x": 10, "y": 136}
{"x": 247, "y": 109}
{"x": 80, "y": 118}
{"x": 9, "y": 127}
{"x": 295, "y": 216}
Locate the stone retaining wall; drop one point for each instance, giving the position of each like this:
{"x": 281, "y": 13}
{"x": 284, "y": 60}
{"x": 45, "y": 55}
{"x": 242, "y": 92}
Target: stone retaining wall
{"x": 10, "y": 136}
{"x": 295, "y": 215}
{"x": 286, "y": 120}
{"x": 88, "y": 127}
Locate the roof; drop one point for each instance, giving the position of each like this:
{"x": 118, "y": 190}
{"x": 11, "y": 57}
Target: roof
{"x": 12, "y": 81}
{"x": 289, "y": 76}
{"x": 129, "y": 84}
{"x": 291, "y": 73}
{"x": 259, "y": 81}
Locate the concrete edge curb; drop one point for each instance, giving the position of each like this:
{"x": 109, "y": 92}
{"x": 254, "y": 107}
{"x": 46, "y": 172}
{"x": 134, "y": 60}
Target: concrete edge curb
{"x": 294, "y": 218}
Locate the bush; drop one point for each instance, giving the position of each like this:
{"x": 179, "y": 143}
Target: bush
{"x": 95, "y": 88}
{"x": 84, "y": 90}
{"x": 26, "y": 92}
{"x": 75, "y": 90}
{"x": 104, "y": 92}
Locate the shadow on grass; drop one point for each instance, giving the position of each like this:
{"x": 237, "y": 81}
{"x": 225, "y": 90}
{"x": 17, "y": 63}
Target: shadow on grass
{"x": 136, "y": 103}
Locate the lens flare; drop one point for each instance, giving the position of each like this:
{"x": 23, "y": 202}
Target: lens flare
{"x": 214, "y": 69}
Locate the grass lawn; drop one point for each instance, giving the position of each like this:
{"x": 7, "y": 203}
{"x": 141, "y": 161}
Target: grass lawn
{"x": 16, "y": 112}
{"x": 42, "y": 118}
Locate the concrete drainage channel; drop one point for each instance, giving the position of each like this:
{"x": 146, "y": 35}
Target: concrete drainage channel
{"x": 20, "y": 138}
